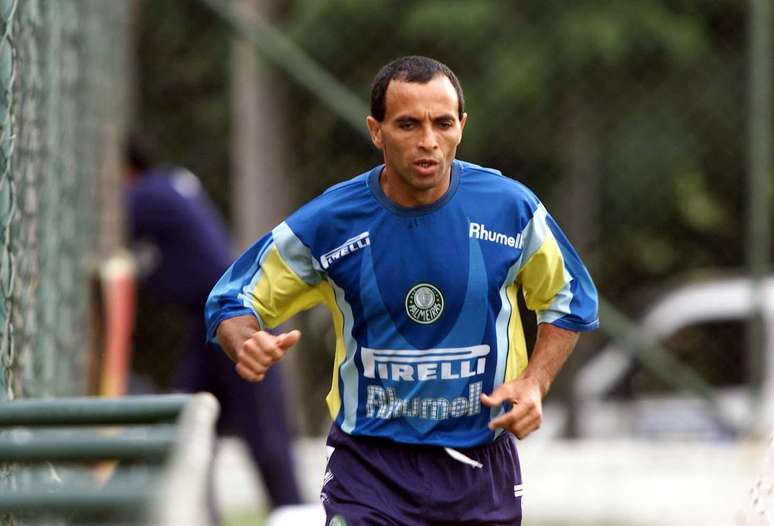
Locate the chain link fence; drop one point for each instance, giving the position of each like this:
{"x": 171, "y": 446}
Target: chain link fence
{"x": 64, "y": 97}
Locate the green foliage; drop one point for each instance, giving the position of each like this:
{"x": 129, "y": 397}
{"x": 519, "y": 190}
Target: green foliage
{"x": 637, "y": 105}
{"x": 183, "y": 96}
{"x": 647, "y": 94}
{"x": 651, "y": 88}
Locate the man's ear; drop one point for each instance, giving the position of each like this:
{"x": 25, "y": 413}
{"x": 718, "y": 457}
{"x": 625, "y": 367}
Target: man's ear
{"x": 375, "y": 130}
{"x": 463, "y": 121}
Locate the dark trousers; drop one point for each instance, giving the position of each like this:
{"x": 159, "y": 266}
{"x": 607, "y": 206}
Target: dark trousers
{"x": 254, "y": 412}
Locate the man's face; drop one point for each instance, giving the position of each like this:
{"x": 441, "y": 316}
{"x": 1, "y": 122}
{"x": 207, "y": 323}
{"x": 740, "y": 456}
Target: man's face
{"x": 419, "y": 137}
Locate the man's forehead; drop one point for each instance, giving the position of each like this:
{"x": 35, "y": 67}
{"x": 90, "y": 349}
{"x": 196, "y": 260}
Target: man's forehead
{"x": 438, "y": 92}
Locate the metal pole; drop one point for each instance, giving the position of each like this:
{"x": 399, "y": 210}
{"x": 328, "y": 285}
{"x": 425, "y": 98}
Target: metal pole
{"x": 153, "y": 448}
{"x": 260, "y": 190}
{"x": 182, "y": 492}
{"x": 147, "y": 409}
{"x": 759, "y": 171}
{"x": 286, "y": 55}
{"x": 132, "y": 499}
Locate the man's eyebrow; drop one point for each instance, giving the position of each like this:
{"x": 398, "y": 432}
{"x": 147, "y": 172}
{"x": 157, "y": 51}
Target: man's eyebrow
{"x": 405, "y": 118}
{"x": 409, "y": 118}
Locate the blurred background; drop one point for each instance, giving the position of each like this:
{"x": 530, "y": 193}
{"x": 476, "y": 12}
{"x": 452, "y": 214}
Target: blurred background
{"x": 645, "y": 128}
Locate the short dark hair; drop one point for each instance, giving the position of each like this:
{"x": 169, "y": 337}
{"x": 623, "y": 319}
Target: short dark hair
{"x": 411, "y": 69}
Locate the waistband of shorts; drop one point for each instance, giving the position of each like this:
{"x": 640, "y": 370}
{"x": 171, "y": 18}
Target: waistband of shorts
{"x": 392, "y": 444}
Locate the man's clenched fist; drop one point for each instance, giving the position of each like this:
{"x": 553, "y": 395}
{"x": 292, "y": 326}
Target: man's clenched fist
{"x": 261, "y": 351}
{"x": 252, "y": 349}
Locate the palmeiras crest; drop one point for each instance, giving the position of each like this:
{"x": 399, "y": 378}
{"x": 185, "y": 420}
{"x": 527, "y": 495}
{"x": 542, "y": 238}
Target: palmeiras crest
{"x": 424, "y": 303}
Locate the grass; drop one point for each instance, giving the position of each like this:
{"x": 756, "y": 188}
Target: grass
{"x": 246, "y": 518}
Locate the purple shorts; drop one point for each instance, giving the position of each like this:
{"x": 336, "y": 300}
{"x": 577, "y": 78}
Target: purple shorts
{"x": 372, "y": 481}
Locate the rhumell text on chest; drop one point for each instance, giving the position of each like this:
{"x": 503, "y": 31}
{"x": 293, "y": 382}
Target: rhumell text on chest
{"x": 479, "y": 231}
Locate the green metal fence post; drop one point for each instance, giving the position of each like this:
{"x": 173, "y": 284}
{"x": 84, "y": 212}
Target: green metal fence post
{"x": 759, "y": 173}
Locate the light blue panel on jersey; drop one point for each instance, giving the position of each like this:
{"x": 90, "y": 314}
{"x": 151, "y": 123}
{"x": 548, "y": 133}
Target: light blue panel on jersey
{"x": 503, "y": 338}
{"x": 471, "y": 322}
{"x": 296, "y": 255}
{"x": 560, "y": 307}
{"x": 349, "y": 377}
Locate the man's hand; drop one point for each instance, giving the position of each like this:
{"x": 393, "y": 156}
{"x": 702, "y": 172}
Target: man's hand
{"x": 253, "y": 350}
{"x": 552, "y": 347}
{"x": 261, "y": 351}
{"x": 527, "y": 412}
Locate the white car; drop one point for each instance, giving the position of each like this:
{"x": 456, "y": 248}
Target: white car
{"x": 737, "y": 409}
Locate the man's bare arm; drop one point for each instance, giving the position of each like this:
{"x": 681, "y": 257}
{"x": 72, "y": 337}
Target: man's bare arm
{"x": 552, "y": 348}
{"x": 252, "y": 349}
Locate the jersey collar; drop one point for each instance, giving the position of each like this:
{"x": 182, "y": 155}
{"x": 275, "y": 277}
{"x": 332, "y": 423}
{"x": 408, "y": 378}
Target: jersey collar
{"x": 413, "y": 211}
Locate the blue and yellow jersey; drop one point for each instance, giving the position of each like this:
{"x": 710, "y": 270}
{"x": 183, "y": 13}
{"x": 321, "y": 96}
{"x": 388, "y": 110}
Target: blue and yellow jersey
{"x": 423, "y": 299}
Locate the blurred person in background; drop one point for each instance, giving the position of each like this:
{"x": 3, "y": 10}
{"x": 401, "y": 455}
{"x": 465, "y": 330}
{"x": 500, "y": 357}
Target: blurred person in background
{"x": 181, "y": 247}
{"x": 419, "y": 261}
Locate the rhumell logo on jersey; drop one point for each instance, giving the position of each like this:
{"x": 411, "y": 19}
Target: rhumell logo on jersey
{"x": 431, "y": 364}
{"x": 384, "y": 403}
{"x": 348, "y": 247}
{"x": 479, "y": 231}
{"x": 424, "y": 303}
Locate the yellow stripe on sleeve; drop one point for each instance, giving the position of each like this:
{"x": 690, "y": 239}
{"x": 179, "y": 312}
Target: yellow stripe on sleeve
{"x": 517, "y": 348}
{"x": 333, "y": 399}
{"x": 279, "y": 292}
{"x": 542, "y": 276}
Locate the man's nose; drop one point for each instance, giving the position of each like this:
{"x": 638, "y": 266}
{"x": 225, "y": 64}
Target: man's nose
{"x": 427, "y": 139}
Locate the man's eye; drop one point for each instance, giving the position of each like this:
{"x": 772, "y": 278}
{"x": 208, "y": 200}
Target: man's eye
{"x": 405, "y": 125}
{"x": 445, "y": 124}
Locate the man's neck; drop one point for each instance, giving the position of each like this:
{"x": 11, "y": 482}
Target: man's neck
{"x": 411, "y": 197}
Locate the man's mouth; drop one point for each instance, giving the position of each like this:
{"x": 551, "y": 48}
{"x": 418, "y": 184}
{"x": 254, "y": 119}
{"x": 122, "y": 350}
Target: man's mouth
{"x": 425, "y": 163}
